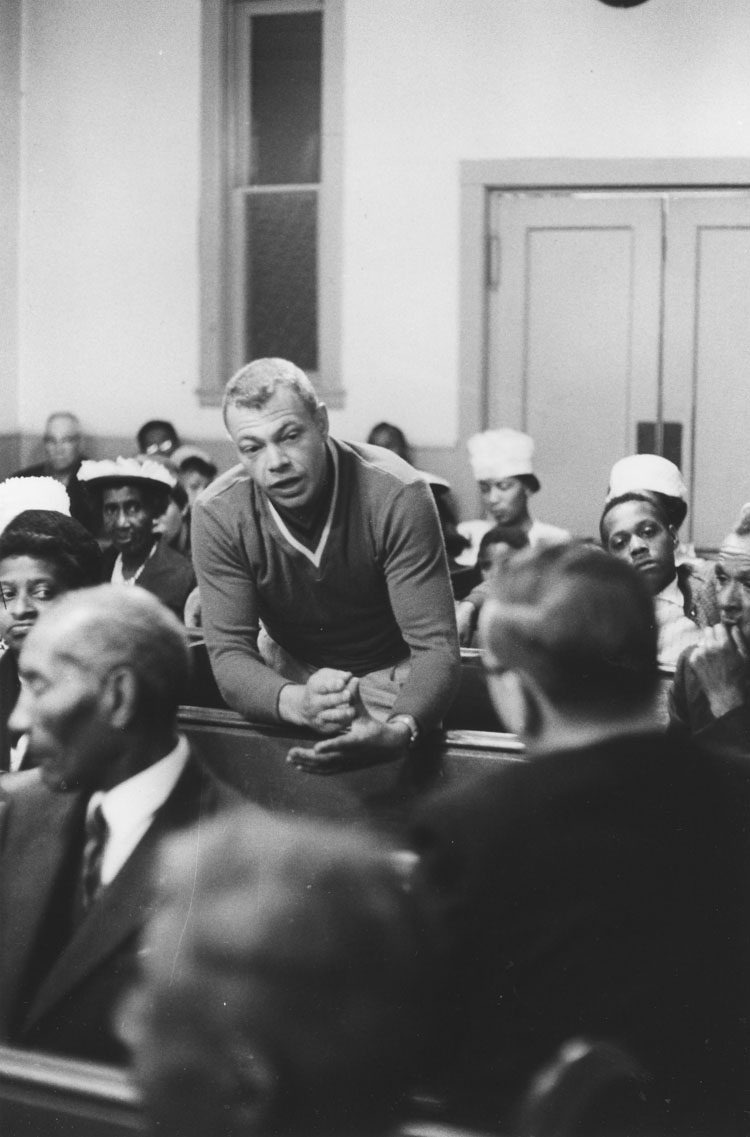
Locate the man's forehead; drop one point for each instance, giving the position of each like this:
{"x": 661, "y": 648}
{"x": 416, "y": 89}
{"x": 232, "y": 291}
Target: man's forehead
{"x": 735, "y": 551}
{"x": 283, "y": 405}
{"x": 61, "y": 424}
{"x": 120, "y": 493}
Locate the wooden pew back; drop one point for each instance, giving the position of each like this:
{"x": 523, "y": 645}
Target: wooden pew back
{"x": 252, "y": 758}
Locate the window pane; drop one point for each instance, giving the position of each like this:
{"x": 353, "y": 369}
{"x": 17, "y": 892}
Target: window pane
{"x": 281, "y": 259}
{"x": 285, "y": 81}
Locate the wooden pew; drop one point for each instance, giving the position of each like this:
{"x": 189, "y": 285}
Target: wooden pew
{"x": 470, "y": 710}
{"x": 45, "y": 1096}
{"x": 252, "y": 757}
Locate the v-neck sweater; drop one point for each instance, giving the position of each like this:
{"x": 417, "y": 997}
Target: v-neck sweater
{"x": 374, "y": 591}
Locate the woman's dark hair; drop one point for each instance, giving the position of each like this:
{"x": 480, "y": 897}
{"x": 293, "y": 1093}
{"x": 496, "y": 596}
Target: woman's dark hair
{"x": 195, "y": 464}
{"x": 395, "y": 439}
{"x": 157, "y": 424}
{"x": 57, "y": 539}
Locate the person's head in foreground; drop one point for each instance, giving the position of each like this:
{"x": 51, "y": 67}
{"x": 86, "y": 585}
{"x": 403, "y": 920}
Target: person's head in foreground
{"x": 103, "y": 672}
{"x": 42, "y": 555}
{"x": 502, "y": 462}
{"x": 569, "y": 645}
{"x": 636, "y": 529}
{"x": 289, "y": 1009}
{"x": 652, "y": 474}
{"x": 280, "y": 430}
{"x": 732, "y": 572}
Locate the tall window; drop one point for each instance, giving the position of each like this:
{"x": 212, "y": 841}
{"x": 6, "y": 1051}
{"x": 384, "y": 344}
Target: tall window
{"x": 276, "y": 247}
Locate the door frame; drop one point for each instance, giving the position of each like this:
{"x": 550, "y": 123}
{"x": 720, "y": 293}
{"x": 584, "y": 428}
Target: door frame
{"x": 480, "y": 178}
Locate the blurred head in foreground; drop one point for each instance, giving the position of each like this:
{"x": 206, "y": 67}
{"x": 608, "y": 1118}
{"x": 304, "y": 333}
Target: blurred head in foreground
{"x": 569, "y": 645}
{"x": 291, "y": 1006}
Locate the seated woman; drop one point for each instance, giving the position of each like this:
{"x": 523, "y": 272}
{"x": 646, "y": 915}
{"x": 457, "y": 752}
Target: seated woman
{"x": 636, "y": 527}
{"x": 42, "y": 555}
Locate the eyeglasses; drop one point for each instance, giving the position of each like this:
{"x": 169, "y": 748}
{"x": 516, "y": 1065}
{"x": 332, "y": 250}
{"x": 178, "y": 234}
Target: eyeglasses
{"x": 164, "y": 447}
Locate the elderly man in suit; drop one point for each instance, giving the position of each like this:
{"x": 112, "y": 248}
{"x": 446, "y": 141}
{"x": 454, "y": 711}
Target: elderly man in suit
{"x": 102, "y": 674}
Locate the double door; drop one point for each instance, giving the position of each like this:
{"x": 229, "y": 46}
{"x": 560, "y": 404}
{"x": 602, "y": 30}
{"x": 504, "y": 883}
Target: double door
{"x": 617, "y": 322}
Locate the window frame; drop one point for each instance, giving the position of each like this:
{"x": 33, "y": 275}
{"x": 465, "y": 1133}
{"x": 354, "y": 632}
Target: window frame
{"x": 221, "y": 283}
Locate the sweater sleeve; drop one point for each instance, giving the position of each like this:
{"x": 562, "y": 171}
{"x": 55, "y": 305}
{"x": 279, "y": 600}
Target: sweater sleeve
{"x": 229, "y": 614}
{"x": 416, "y": 572}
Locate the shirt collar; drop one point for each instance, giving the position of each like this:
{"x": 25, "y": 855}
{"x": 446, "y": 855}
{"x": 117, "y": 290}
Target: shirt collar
{"x": 138, "y": 798}
{"x": 671, "y": 594}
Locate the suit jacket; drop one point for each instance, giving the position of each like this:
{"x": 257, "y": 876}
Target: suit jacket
{"x": 68, "y": 1008}
{"x": 167, "y": 574}
{"x": 598, "y": 892}
{"x": 9, "y": 688}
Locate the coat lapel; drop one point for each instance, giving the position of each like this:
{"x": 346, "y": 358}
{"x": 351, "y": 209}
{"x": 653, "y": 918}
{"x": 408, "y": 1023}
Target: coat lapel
{"x": 38, "y": 832}
{"x": 125, "y": 906}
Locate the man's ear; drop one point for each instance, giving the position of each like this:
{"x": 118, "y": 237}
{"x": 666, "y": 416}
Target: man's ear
{"x": 321, "y": 419}
{"x": 515, "y": 703}
{"x": 121, "y": 692}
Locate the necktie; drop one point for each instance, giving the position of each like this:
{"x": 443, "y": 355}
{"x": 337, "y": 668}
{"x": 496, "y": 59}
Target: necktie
{"x": 93, "y": 851}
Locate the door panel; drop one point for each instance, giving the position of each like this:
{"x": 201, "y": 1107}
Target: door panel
{"x": 574, "y": 323}
{"x": 707, "y": 352}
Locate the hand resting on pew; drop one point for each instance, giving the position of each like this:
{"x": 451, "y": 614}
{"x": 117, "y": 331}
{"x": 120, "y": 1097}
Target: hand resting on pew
{"x": 367, "y": 741}
{"x": 324, "y": 703}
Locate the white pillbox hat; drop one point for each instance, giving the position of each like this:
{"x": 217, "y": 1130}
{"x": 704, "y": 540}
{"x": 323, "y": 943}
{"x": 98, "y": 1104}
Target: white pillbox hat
{"x": 646, "y": 472}
{"x": 503, "y": 453}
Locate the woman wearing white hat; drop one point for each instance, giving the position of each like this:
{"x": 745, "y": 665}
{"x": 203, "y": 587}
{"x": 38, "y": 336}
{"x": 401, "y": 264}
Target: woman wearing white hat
{"x": 502, "y": 462}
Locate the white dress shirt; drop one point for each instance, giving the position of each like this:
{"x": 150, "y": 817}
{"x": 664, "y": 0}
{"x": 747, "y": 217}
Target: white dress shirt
{"x": 129, "y": 807}
{"x": 676, "y": 630}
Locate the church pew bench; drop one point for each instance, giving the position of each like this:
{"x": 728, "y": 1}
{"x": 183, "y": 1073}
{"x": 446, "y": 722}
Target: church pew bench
{"x": 252, "y": 758}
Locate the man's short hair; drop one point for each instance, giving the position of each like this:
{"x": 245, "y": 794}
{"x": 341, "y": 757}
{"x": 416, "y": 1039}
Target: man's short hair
{"x": 123, "y": 625}
{"x": 72, "y": 419}
{"x": 655, "y": 500}
{"x": 255, "y": 384}
{"x": 299, "y": 951}
{"x": 579, "y": 622}
{"x": 61, "y": 541}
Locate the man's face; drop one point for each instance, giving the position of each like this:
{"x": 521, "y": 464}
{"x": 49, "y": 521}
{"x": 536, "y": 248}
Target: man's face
{"x": 635, "y": 533}
{"x": 283, "y": 448}
{"x": 506, "y": 499}
{"x": 158, "y": 442}
{"x": 128, "y": 519}
{"x": 62, "y": 444}
{"x": 733, "y": 584}
{"x": 27, "y": 585}
{"x": 60, "y": 708}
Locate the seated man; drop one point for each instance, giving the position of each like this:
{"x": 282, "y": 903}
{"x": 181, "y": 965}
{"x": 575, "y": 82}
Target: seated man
{"x": 335, "y": 548}
{"x": 42, "y": 555}
{"x": 636, "y": 528}
{"x": 102, "y": 671}
{"x": 710, "y": 698}
{"x": 62, "y": 461}
{"x": 133, "y": 494}
{"x": 502, "y": 462}
{"x": 598, "y": 889}
{"x": 291, "y": 1007}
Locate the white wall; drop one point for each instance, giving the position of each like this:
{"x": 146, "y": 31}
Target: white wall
{"x": 433, "y": 82}
{"x": 10, "y": 149}
{"x": 109, "y": 296}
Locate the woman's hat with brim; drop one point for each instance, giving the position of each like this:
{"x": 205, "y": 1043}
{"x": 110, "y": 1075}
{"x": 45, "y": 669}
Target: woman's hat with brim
{"x": 110, "y": 472}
